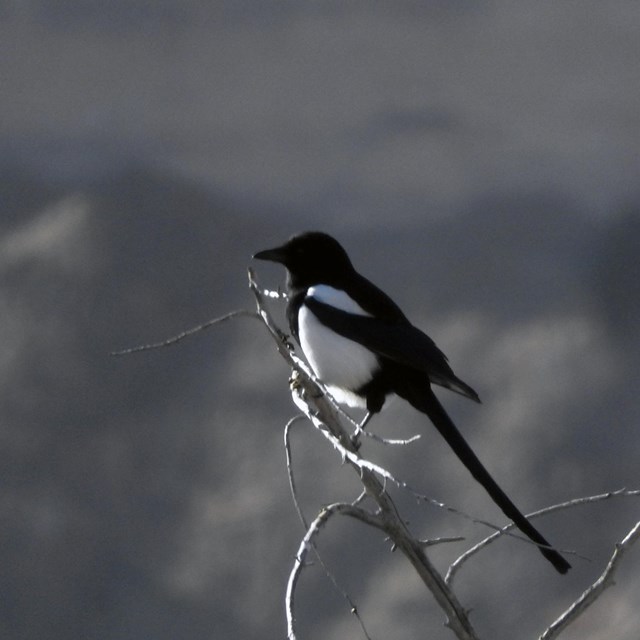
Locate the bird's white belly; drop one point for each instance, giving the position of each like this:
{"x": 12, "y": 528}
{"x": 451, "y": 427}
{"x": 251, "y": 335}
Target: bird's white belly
{"x": 341, "y": 364}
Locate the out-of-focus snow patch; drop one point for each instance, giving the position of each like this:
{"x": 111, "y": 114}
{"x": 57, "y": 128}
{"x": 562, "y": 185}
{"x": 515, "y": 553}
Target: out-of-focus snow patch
{"x": 538, "y": 373}
{"x": 55, "y": 235}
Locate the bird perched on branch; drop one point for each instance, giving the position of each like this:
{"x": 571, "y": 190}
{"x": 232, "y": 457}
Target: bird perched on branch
{"x": 363, "y": 348}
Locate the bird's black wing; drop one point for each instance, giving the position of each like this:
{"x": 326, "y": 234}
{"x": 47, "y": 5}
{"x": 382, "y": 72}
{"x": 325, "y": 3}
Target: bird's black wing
{"x": 398, "y": 341}
{"x": 408, "y": 346}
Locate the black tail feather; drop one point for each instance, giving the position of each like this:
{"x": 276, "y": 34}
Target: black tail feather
{"x": 426, "y": 402}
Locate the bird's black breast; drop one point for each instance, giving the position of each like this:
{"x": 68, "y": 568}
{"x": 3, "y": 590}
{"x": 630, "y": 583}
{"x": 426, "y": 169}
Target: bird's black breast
{"x": 296, "y": 300}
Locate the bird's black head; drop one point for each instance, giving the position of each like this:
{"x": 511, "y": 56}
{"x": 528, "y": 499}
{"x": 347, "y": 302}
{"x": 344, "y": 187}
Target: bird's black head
{"x": 310, "y": 258}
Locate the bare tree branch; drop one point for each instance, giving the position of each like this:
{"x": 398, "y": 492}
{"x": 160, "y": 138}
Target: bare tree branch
{"x": 185, "y": 334}
{"x": 294, "y": 494}
{"x": 595, "y": 590}
{"x": 319, "y": 407}
{"x": 292, "y": 482}
{"x": 457, "y": 564}
{"x": 308, "y": 543}
{"x": 309, "y": 396}
{"x": 359, "y": 431}
{"x": 430, "y": 542}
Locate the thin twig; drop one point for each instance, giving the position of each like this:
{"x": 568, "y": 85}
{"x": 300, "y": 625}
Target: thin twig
{"x": 353, "y": 609}
{"x": 431, "y": 542}
{"x": 364, "y": 432}
{"x": 294, "y": 494}
{"x": 185, "y": 334}
{"x": 308, "y": 543}
{"x": 595, "y": 590}
{"x": 292, "y": 482}
{"x": 388, "y": 441}
{"x": 457, "y": 564}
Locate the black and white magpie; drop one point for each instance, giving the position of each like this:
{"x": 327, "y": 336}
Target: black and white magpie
{"x": 363, "y": 348}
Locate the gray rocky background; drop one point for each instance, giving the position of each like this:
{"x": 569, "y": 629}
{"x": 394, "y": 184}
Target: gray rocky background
{"x": 480, "y": 159}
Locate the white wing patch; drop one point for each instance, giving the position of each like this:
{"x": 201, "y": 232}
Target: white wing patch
{"x": 335, "y": 298}
{"x": 341, "y": 364}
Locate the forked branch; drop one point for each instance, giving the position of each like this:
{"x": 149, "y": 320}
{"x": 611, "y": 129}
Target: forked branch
{"x": 309, "y": 395}
{"x": 311, "y": 399}
{"x": 590, "y": 595}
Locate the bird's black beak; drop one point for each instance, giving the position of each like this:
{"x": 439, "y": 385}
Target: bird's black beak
{"x": 273, "y": 255}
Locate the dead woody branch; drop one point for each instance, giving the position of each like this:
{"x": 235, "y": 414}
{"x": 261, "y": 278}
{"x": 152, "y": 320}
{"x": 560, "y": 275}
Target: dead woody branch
{"x": 311, "y": 399}
{"x": 319, "y": 408}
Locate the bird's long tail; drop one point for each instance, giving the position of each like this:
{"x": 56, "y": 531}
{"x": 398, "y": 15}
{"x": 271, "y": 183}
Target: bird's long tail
{"x": 426, "y": 402}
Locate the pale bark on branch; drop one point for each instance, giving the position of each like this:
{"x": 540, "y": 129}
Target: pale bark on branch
{"x": 590, "y": 595}
{"x": 311, "y": 399}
